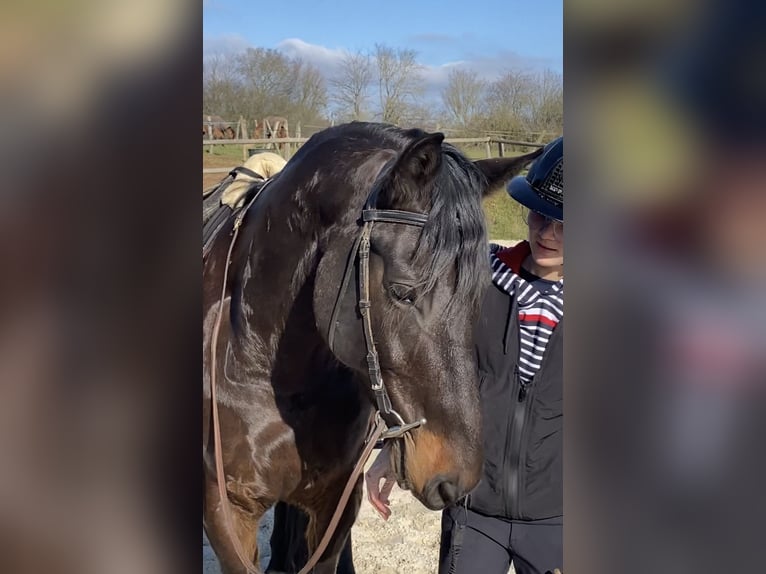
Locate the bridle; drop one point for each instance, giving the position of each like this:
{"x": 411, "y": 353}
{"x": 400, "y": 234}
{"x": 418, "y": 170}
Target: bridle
{"x": 381, "y": 429}
{"x": 360, "y": 251}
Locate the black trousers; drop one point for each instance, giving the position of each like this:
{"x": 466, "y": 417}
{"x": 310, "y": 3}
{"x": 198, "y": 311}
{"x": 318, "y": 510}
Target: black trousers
{"x": 472, "y": 542}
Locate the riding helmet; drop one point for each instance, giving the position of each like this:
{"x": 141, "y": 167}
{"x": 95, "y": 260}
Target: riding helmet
{"x": 542, "y": 189}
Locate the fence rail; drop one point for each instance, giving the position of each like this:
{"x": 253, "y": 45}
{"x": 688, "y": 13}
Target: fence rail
{"x": 286, "y": 149}
{"x": 487, "y": 139}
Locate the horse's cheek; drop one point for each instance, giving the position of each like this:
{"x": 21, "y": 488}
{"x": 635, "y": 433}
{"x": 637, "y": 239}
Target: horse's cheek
{"x": 346, "y": 344}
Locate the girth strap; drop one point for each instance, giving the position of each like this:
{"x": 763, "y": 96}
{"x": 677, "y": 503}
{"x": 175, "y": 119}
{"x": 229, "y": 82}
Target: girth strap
{"x": 246, "y": 171}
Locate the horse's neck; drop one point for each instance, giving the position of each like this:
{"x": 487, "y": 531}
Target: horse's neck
{"x": 272, "y": 304}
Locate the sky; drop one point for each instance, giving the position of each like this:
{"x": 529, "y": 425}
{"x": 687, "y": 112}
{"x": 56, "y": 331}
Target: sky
{"x": 490, "y": 37}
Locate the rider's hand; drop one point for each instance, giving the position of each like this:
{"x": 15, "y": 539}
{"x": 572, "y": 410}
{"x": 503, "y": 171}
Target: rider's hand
{"x": 376, "y": 494}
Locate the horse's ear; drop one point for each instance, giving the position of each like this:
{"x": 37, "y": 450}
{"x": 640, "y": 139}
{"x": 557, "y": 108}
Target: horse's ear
{"x": 414, "y": 169}
{"x": 501, "y": 169}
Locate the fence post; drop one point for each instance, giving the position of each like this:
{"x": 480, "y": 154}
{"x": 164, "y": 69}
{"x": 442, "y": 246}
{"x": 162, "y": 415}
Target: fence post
{"x": 489, "y": 149}
{"x": 500, "y": 149}
{"x": 210, "y": 133}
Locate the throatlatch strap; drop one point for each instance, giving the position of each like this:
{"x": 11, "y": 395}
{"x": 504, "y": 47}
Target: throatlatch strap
{"x": 343, "y": 286}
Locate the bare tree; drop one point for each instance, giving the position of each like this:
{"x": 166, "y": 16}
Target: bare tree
{"x": 548, "y": 102}
{"x": 308, "y": 98}
{"x": 220, "y": 86}
{"x": 267, "y": 81}
{"x": 462, "y": 97}
{"x": 261, "y": 82}
{"x": 507, "y": 105}
{"x": 351, "y": 86}
{"x": 399, "y": 81}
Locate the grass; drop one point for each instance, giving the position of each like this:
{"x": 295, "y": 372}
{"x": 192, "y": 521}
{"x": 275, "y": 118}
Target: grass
{"x": 503, "y": 214}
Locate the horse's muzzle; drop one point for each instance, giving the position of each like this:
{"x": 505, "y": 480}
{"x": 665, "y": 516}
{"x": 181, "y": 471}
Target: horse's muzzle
{"x": 441, "y": 491}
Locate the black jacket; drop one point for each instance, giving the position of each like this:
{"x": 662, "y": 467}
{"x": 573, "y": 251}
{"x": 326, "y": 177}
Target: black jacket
{"x": 523, "y": 426}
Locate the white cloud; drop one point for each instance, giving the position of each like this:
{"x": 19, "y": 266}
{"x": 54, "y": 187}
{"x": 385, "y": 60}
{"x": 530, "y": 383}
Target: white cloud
{"x": 225, "y": 44}
{"x": 327, "y": 60}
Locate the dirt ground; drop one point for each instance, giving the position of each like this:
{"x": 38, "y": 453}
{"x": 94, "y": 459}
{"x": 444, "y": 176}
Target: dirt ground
{"x": 407, "y": 543}
{"x": 209, "y": 179}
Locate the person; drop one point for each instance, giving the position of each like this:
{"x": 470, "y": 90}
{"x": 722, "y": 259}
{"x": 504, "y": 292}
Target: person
{"x": 515, "y": 513}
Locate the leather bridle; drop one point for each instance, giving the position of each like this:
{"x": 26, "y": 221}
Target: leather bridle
{"x": 360, "y": 251}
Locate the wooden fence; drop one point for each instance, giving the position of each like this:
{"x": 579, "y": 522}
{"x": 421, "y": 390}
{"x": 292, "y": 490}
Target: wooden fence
{"x": 287, "y": 149}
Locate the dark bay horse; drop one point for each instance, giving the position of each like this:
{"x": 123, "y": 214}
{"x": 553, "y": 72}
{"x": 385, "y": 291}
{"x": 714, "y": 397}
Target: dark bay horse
{"x": 295, "y": 401}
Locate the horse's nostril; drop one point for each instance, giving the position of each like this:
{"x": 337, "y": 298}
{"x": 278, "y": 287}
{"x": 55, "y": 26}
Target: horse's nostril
{"x": 448, "y": 491}
{"x": 441, "y": 492}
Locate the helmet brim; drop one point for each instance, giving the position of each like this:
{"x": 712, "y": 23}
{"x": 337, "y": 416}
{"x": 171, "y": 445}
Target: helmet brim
{"x": 520, "y": 190}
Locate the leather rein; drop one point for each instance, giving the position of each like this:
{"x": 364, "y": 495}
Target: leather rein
{"x": 379, "y": 430}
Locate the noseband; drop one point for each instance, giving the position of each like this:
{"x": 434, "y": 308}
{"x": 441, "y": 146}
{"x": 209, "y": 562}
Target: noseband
{"x": 361, "y": 251}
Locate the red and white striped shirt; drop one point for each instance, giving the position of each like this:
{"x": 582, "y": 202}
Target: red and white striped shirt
{"x": 540, "y": 302}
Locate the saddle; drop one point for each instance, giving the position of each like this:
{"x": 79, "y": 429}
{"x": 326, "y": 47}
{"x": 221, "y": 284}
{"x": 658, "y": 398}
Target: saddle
{"x": 233, "y": 192}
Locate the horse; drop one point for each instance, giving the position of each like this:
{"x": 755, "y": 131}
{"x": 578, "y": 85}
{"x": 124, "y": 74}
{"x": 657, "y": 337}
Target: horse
{"x": 305, "y": 356}
{"x": 219, "y": 128}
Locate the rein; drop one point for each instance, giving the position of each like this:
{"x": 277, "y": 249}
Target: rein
{"x": 381, "y": 430}
{"x": 372, "y": 439}
{"x": 219, "y": 472}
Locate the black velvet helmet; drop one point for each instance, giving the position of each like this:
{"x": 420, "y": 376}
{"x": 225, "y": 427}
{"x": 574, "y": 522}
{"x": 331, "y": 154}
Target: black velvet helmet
{"x": 542, "y": 189}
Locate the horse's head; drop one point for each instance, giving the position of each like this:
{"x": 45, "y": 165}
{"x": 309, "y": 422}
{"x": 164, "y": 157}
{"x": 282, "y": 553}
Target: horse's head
{"x": 425, "y": 288}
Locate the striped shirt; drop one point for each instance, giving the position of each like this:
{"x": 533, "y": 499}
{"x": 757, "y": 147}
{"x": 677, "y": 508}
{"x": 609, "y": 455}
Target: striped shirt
{"x": 540, "y": 302}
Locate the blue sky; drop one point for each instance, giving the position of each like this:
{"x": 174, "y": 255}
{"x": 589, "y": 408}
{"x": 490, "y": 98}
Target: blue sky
{"x": 490, "y": 37}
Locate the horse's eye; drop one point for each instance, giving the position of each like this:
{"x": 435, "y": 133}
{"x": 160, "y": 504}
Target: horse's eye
{"x": 403, "y": 293}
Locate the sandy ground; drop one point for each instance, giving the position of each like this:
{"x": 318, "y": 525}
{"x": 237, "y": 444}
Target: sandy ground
{"x": 408, "y": 543}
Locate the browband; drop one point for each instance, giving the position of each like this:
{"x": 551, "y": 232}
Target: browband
{"x": 395, "y": 216}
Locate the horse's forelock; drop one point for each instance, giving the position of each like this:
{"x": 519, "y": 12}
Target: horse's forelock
{"x": 456, "y": 232}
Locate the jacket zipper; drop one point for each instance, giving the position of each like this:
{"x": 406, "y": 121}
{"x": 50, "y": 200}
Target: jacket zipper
{"x": 518, "y": 420}
{"x": 505, "y": 486}
{"x": 516, "y": 425}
